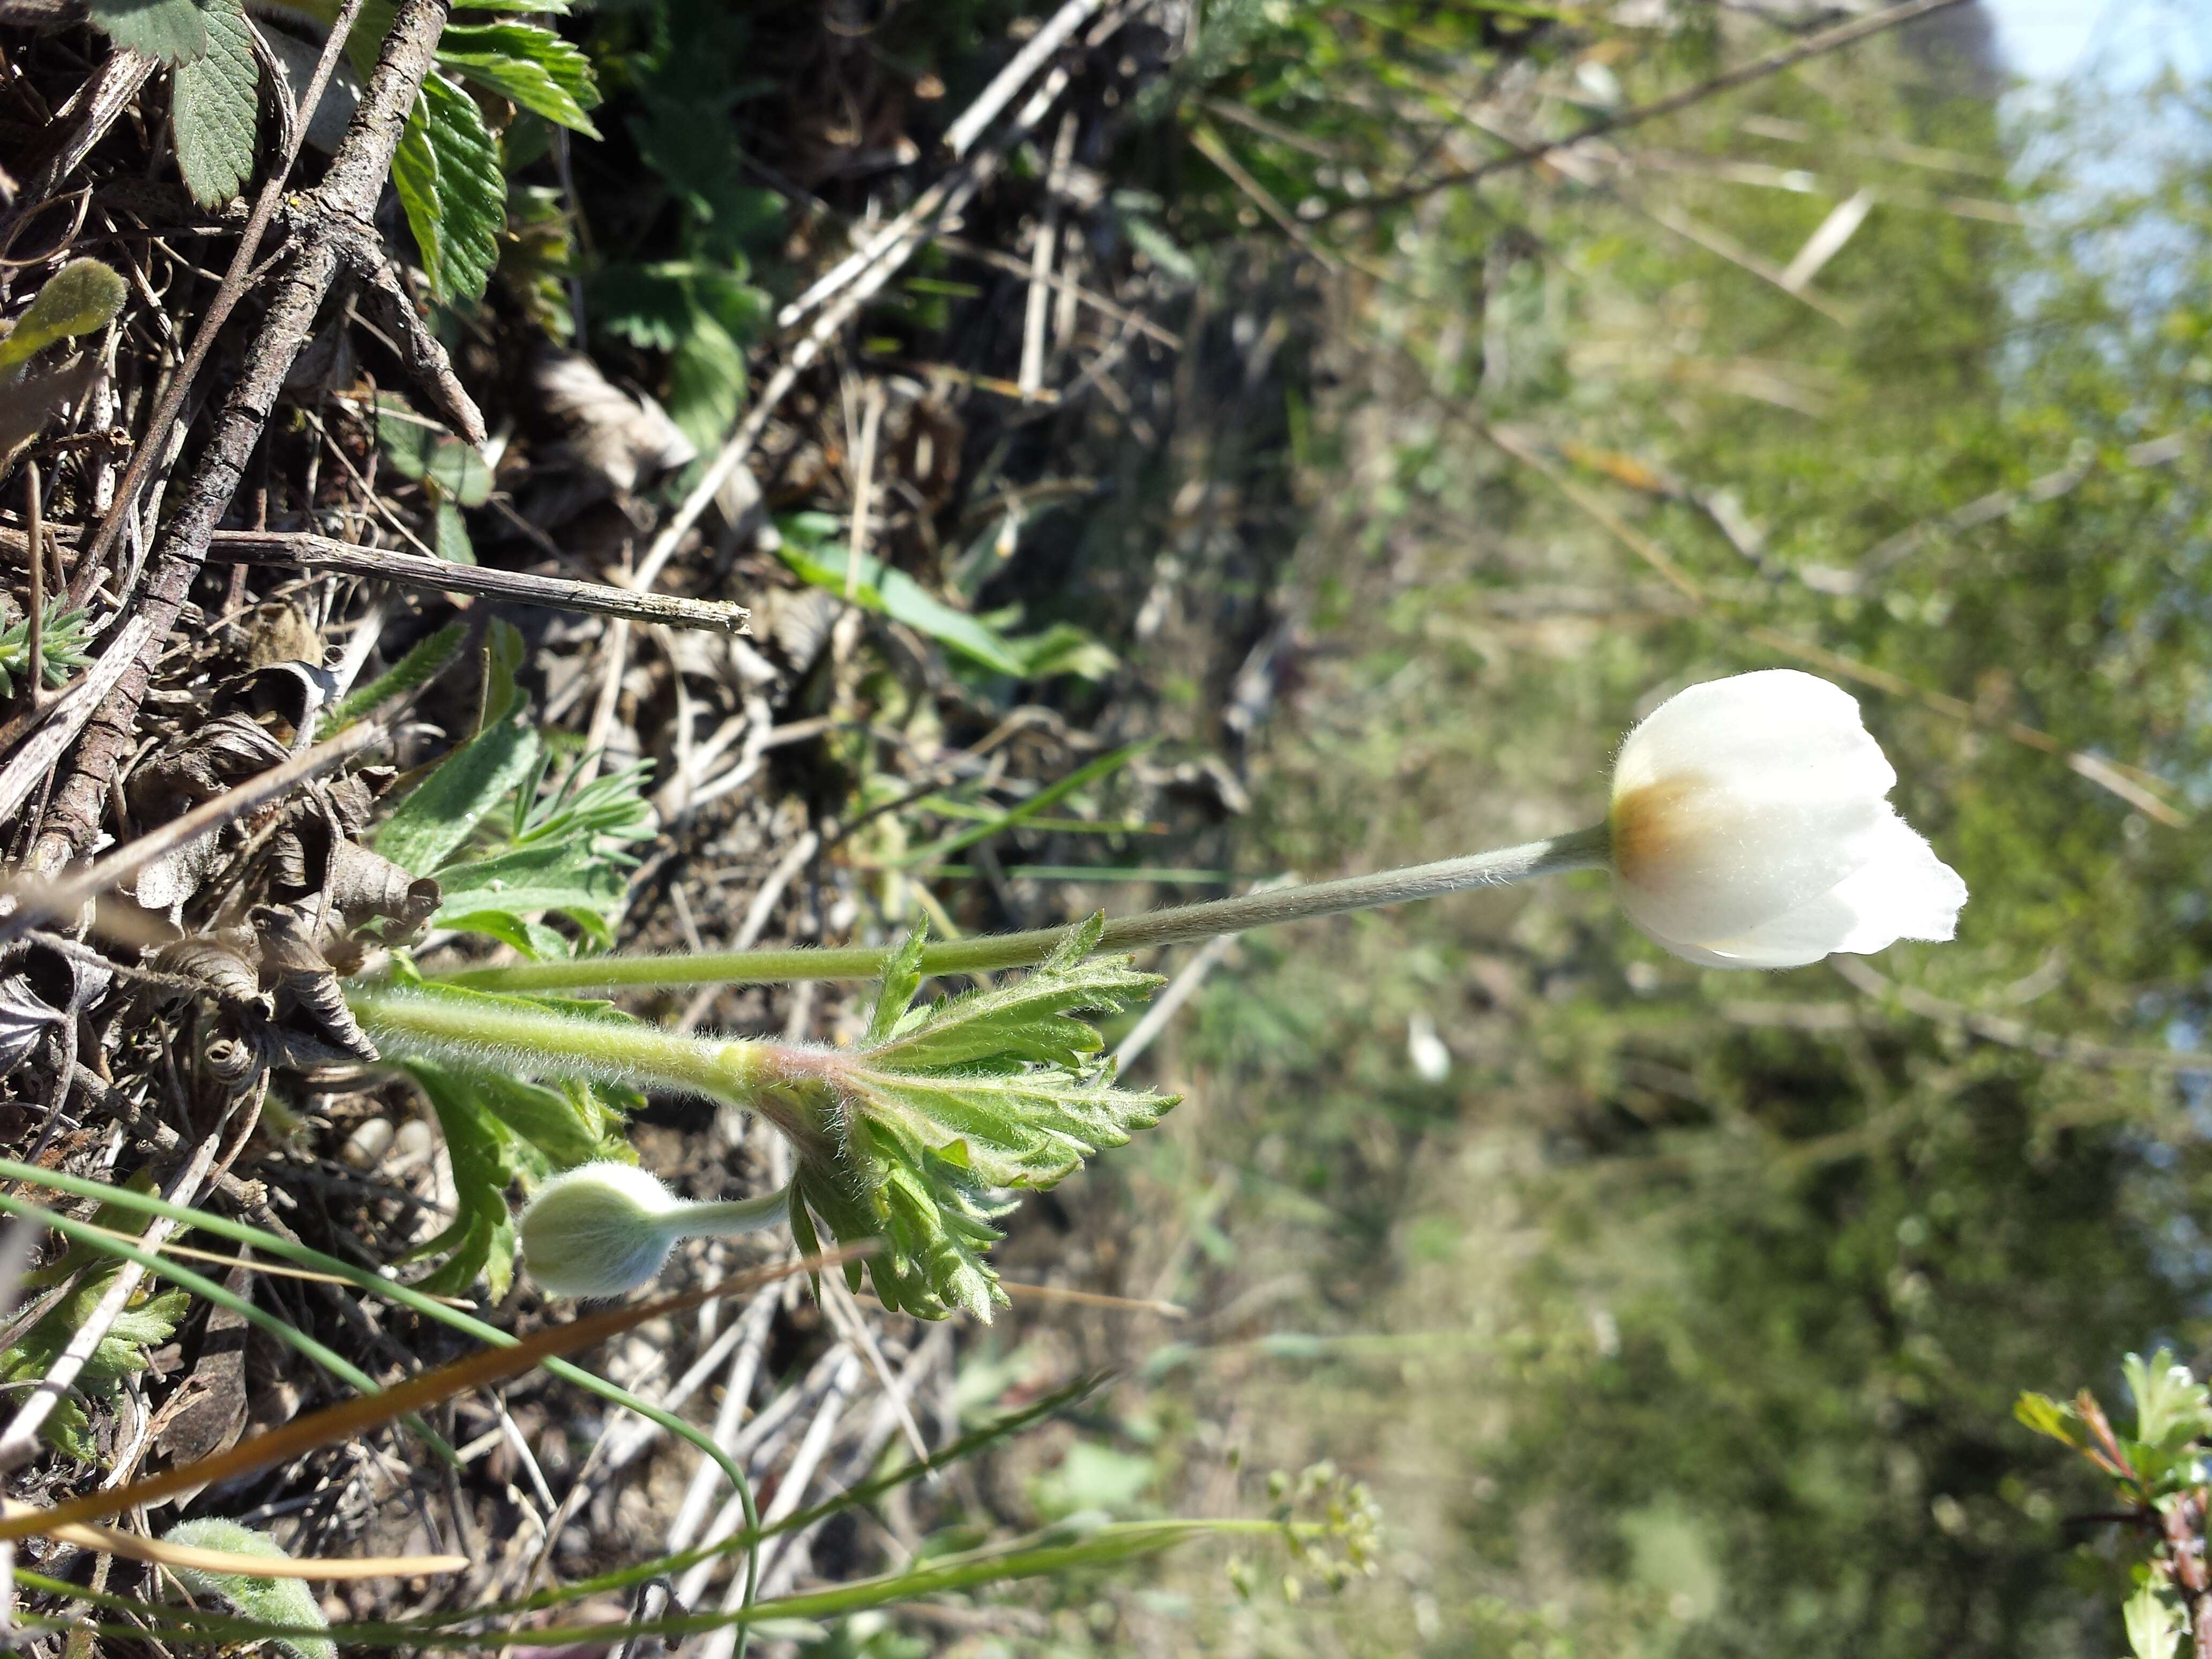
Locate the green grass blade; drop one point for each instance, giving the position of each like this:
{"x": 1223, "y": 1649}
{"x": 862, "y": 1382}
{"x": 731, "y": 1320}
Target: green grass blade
{"x": 1091, "y": 772}
{"x": 201, "y": 1286}
{"x": 1037, "y": 1556}
{"x": 362, "y": 1278}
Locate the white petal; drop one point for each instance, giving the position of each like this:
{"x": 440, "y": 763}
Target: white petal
{"x": 1904, "y": 892}
{"x": 1737, "y": 729}
{"x": 1741, "y": 800}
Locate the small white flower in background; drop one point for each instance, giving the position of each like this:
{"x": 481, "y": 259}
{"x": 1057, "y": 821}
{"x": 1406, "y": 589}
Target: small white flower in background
{"x": 1431, "y": 1060}
{"x": 1750, "y": 828}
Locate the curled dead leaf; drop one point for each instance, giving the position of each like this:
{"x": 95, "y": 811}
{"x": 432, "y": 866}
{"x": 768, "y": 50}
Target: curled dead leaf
{"x": 301, "y": 979}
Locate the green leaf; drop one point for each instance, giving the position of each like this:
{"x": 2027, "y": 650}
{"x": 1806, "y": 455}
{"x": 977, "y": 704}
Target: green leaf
{"x": 446, "y": 806}
{"x": 932, "y": 1222}
{"x": 703, "y": 315}
{"x": 706, "y": 382}
{"x": 499, "y": 1129}
{"x": 425, "y": 660}
{"x": 1062, "y": 648}
{"x": 1030, "y": 1019}
{"x": 170, "y": 31}
{"x": 452, "y": 535}
{"x": 2172, "y": 1406}
{"x": 568, "y": 878}
{"x": 503, "y": 652}
{"x": 564, "y": 852}
{"x": 149, "y": 1322}
{"x": 80, "y": 298}
{"x": 527, "y": 63}
{"x": 895, "y": 594}
{"x": 288, "y": 1603}
{"x": 421, "y": 451}
{"x": 901, "y": 979}
{"x": 63, "y": 646}
{"x": 1162, "y": 249}
{"x": 2045, "y": 1416}
{"x": 946, "y": 1105}
{"x": 446, "y": 173}
{"x": 2153, "y": 1622}
{"x": 1051, "y": 795}
{"x": 481, "y": 1240}
{"x": 216, "y": 108}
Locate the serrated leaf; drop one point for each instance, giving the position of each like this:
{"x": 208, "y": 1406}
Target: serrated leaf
{"x": 447, "y": 172}
{"x": 80, "y": 298}
{"x": 946, "y": 1106}
{"x": 149, "y": 1322}
{"x": 452, "y": 539}
{"x": 421, "y": 451}
{"x": 446, "y": 806}
{"x": 1031, "y": 1018}
{"x": 703, "y": 315}
{"x": 931, "y": 1220}
{"x": 1029, "y": 1128}
{"x": 707, "y": 382}
{"x": 527, "y": 63}
{"x": 170, "y": 31}
{"x": 901, "y": 979}
{"x": 216, "y": 108}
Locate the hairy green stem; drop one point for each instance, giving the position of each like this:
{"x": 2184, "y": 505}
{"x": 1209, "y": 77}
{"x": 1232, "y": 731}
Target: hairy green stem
{"x": 1585, "y": 849}
{"x": 759, "y": 1076}
{"x": 731, "y": 1216}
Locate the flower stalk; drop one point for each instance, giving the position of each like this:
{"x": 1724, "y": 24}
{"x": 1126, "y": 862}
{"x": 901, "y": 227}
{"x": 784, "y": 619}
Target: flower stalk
{"x": 1585, "y": 849}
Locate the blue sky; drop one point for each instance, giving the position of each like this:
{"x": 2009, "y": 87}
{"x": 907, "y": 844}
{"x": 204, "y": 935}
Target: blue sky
{"x": 2119, "y": 42}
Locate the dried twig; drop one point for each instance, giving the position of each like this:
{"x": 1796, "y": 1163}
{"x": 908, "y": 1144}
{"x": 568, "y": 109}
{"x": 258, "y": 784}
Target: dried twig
{"x": 1758, "y": 69}
{"x": 290, "y": 549}
{"x": 338, "y": 230}
{"x": 31, "y": 905}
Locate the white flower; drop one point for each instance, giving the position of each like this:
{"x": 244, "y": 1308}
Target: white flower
{"x": 1750, "y": 829}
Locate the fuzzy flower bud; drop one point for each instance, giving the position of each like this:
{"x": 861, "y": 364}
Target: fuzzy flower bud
{"x": 604, "y": 1229}
{"x": 1750, "y": 828}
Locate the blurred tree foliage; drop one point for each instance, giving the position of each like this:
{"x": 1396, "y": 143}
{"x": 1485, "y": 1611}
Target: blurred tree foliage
{"x": 1724, "y": 1284}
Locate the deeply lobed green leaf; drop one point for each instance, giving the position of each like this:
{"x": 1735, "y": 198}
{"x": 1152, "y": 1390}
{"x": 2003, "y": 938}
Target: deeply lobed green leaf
{"x": 945, "y": 1107}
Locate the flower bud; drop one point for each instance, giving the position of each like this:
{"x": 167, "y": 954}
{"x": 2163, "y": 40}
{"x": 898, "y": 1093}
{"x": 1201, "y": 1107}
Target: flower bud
{"x": 1750, "y": 828}
{"x": 604, "y": 1228}
{"x": 599, "y": 1229}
